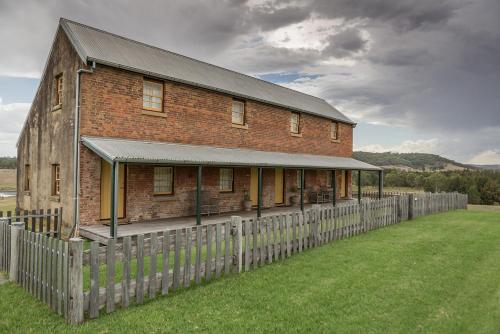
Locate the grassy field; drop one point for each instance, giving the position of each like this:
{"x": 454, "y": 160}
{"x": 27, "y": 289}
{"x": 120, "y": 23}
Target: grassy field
{"x": 436, "y": 274}
{"x": 8, "y": 203}
{"x": 7, "y": 179}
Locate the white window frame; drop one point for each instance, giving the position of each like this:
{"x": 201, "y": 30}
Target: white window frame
{"x": 152, "y": 96}
{"x": 334, "y": 130}
{"x": 295, "y": 123}
{"x": 240, "y": 119}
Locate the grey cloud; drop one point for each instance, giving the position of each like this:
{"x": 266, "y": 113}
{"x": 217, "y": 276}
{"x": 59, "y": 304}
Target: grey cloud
{"x": 404, "y": 15}
{"x": 431, "y": 66}
{"x": 345, "y": 43}
{"x": 270, "y": 18}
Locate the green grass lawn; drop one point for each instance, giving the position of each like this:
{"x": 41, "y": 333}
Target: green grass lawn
{"x": 7, "y": 204}
{"x": 436, "y": 274}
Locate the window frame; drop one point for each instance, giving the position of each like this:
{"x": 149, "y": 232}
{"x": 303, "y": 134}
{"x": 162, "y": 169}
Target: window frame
{"x": 162, "y": 89}
{"x": 27, "y": 177}
{"x": 298, "y": 122}
{"x": 56, "y": 179}
{"x": 334, "y": 125}
{"x": 243, "y": 122}
{"x": 220, "y": 180}
{"x": 58, "y": 90}
{"x": 163, "y": 193}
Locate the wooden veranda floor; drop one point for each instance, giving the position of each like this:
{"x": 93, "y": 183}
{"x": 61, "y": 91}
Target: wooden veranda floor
{"x": 101, "y": 232}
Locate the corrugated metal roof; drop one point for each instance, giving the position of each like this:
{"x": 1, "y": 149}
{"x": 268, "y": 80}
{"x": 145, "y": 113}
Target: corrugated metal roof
{"x": 102, "y": 47}
{"x": 124, "y": 150}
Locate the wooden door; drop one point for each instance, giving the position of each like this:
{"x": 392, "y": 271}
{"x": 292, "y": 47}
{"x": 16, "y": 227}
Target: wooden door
{"x": 106, "y": 190}
{"x": 278, "y": 186}
{"x": 254, "y": 184}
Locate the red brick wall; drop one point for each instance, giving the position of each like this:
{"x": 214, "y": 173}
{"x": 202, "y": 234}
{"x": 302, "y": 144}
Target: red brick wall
{"x": 112, "y": 106}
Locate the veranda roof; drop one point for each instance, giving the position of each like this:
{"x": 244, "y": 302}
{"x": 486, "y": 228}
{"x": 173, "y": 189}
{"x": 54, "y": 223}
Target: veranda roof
{"x": 138, "y": 151}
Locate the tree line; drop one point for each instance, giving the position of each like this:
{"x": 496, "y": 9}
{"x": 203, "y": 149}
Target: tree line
{"x": 482, "y": 186}
{"x": 7, "y": 162}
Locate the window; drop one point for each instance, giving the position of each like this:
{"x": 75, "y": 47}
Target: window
{"x": 27, "y": 177}
{"x": 295, "y": 123}
{"x": 238, "y": 112}
{"x": 299, "y": 183}
{"x": 163, "y": 180}
{"x": 152, "y": 96}
{"x": 335, "y": 131}
{"x": 58, "y": 90}
{"x": 56, "y": 179}
{"x": 226, "y": 180}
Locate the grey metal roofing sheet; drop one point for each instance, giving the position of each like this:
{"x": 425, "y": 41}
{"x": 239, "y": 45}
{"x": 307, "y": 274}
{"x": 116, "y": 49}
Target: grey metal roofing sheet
{"x": 125, "y": 150}
{"x": 102, "y": 47}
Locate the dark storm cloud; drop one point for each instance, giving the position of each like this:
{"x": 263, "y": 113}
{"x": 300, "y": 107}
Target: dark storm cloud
{"x": 345, "y": 43}
{"x": 404, "y": 15}
{"x": 270, "y": 18}
{"x": 428, "y": 65}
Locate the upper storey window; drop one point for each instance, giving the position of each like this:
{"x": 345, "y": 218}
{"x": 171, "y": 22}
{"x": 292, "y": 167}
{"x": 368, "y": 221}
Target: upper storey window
{"x": 58, "y": 90}
{"x": 295, "y": 123}
{"x": 152, "y": 96}
{"x": 334, "y": 132}
{"x": 238, "y": 112}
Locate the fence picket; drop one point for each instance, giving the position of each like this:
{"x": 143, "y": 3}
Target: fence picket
{"x": 152, "y": 265}
{"x": 127, "y": 256}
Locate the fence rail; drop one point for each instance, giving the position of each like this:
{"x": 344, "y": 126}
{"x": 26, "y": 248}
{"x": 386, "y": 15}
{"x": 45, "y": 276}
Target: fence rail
{"x": 41, "y": 221}
{"x": 74, "y": 282}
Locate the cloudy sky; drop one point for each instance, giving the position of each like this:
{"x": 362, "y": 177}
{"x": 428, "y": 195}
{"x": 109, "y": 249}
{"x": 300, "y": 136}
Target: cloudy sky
{"x": 417, "y": 75}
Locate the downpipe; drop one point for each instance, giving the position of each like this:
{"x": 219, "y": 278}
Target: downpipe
{"x": 76, "y": 153}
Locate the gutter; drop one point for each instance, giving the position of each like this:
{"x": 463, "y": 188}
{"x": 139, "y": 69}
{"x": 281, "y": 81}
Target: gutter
{"x": 76, "y": 153}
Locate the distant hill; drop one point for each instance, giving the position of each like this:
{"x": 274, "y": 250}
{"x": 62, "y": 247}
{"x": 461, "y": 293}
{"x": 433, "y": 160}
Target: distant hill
{"x": 490, "y": 167}
{"x": 7, "y": 162}
{"x": 410, "y": 161}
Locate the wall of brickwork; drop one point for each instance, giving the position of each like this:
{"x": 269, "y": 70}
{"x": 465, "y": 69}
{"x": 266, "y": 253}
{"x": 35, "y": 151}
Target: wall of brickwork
{"x": 112, "y": 106}
{"x": 47, "y": 137}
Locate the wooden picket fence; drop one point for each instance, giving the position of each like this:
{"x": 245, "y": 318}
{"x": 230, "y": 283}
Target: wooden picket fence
{"x": 43, "y": 269}
{"x": 4, "y": 246}
{"x": 42, "y": 221}
{"x": 78, "y": 284}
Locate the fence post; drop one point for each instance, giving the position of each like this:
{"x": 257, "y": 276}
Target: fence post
{"x": 15, "y": 230}
{"x": 237, "y": 242}
{"x": 410, "y": 206}
{"x": 75, "y": 314}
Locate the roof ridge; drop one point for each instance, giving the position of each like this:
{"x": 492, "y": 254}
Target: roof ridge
{"x": 62, "y": 19}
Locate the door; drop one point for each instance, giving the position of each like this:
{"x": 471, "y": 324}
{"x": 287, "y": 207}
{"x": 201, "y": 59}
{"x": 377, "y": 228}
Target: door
{"x": 254, "y": 184}
{"x": 106, "y": 190}
{"x": 278, "y": 186}
{"x": 343, "y": 184}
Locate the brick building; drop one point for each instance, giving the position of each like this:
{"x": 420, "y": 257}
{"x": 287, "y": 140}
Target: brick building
{"x": 156, "y": 135}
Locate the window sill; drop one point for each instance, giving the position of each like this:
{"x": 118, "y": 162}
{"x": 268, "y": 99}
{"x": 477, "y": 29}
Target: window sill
{"x": 154, "y": 113}
{"x": 335, "y": 140}
{"x": 55, "y": 198}
{"x": 226, "y": 192}
{"x": 239, "y": 126}
{"x": 163, "y": 198}
{"x": 56, "y": 108}
{"x": 298, "y": 135}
